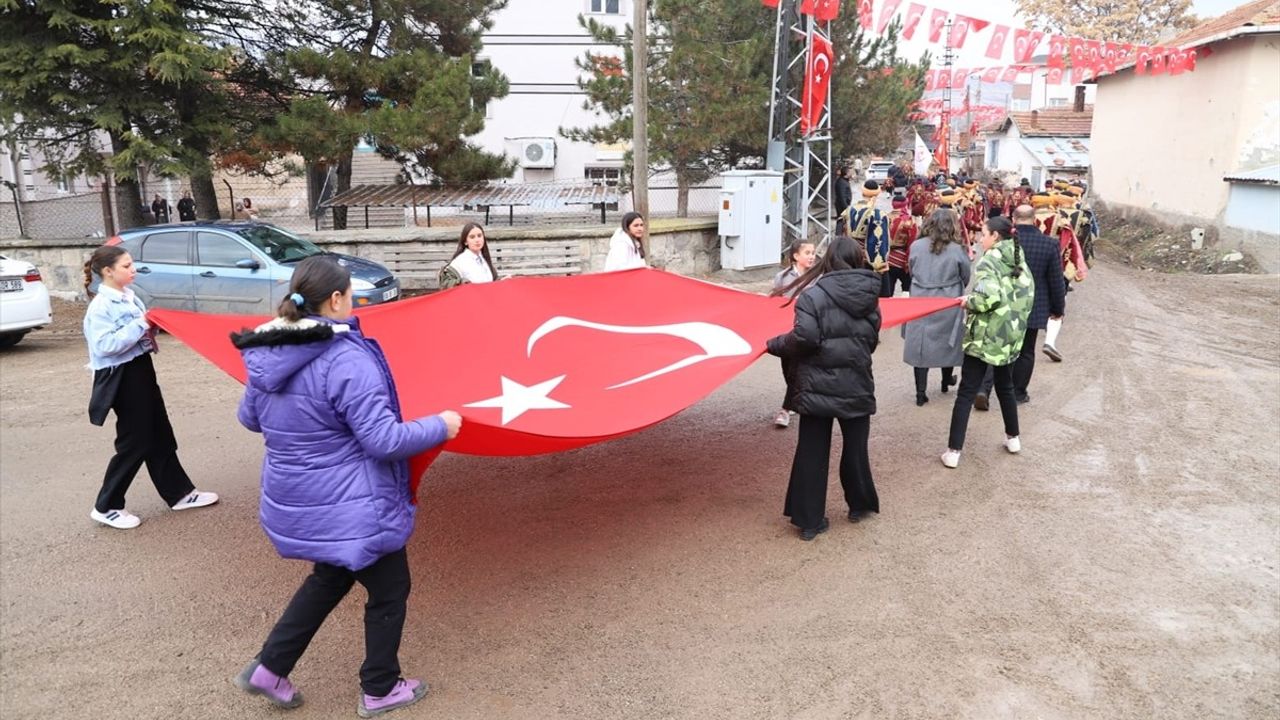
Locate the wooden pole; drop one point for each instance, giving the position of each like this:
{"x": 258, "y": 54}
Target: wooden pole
{"x": 640, "y": 113}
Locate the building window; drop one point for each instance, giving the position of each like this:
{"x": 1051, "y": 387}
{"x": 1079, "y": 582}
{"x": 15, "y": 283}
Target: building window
{"x": 480, "y": 69}
{"x": 606, "y": 7}
{"x": 1020, "y": 105}
{"x": 609, "y": 176}
{"x": 1057, "y": 102}
{"x": 62, "y": 183}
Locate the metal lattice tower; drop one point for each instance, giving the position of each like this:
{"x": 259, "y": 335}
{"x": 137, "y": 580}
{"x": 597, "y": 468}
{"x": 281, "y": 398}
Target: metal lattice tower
{"x": 948, "y": 59}
{"x": 804, "y": 159}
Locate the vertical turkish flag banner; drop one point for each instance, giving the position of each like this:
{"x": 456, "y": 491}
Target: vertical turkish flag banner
{"x": 915, "y": 11}
{"x": 1054, "y": 75}
{"x": 887, "y": 9}
{"x": 941, "y": 155}
{"x": 995, "y": 48}
{"x": 964, "y": 25}
{"x": 943, "y": 79}
{"x": 1178, "y": 61}
{"x": 930, "y": 80}
{"x": 1025, "y": 43}
{"x": 817, "y": 78}
{"x": 991, "y": 75}
{"x": 866, "y": 15}
{"x": 959, "y": 77}
{"x": 1080, "y": 74}
{"x": 937, "y": 21}
{"x": 1142, "y": 56}
{"x": 1057, "y": 50}
{"x": 560, "y": 362}
{"x": 1075, "y": 48}
{"x": 1093, "y": 54}
{"x": 824, "y": 10}
{"x": 1010, "y": 74}
{"x": 1191, "y": 60}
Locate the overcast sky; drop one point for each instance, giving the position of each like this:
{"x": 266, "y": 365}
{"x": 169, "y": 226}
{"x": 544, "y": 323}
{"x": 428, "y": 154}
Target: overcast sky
{"x": 1002, "y": 12}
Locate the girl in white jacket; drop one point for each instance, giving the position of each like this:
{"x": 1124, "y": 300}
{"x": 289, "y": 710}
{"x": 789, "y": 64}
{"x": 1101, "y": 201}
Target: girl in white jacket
{"x": 625, "y": 248}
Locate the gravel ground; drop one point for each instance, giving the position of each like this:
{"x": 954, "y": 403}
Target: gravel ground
{"x": 1123, "y": 566}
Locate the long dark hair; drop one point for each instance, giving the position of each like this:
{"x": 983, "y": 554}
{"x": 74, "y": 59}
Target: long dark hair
{"x": 484, "y": 249}
{"x": 843, "y": 253}
{"x": 1000, "y": 225}
{"x": 942, "y": 227}
{"x": 103, "y": 257}
{"x": 627, "y": 219}
{"x": 315, "y": 280}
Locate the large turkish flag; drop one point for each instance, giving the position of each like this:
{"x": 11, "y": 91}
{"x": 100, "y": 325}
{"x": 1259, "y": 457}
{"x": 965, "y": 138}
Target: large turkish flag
{"x": 817, "y": 78}
{"x": 537, "y": 365}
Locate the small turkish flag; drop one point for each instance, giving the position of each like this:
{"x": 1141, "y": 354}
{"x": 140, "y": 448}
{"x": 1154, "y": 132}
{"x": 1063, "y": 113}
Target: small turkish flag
{"x": 991, "y": 75}
{"x": 1142, "y": 55}
{"x": 915, "y": 11}
{"x": 942, "y": 155}
{"x": 1053, "y": 76}
{"x": 1010, "y": 74}
{"x": 866, "y": 12}
{"x": 962, "y": 26}
{"x": 995, "y": 48}
{"x": 959, "y": 77}
{"x": 887, "y": 9}
{"x": 770, "y": 3}
{"x": 1191, "y": 60}
{"x": 817, "y": 78}
{"x": 930, "y": 80}
{"x": 1025, "y": 43}
{"x": 937, "y": 21}
{"x": 1158, "y": 60}
{"x": 1057, "y": 50}
{"x": 1075, "y": 48}
{"x": 824, "y": 10}
{"x": 1080, "y": 74}
{"x": 1093, "y": 54}
{"x": 943, "y": 80}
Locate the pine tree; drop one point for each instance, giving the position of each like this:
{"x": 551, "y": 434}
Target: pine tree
{"x": 708, "y": 106}
{"x": 396, "y": 73}
{"x": 73, "y": 70}
{"x": 872, "y": 89}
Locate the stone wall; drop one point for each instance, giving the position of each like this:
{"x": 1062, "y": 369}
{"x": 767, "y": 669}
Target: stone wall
{"x": 686, "y": 246}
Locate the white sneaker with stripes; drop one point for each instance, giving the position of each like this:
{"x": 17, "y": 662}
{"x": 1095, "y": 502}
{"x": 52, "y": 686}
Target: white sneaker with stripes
{"x": 120, "y": 519}
{"x": 198, "y": 498}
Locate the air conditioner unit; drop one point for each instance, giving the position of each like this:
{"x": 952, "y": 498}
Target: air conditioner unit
{"x": 540, "y": 153}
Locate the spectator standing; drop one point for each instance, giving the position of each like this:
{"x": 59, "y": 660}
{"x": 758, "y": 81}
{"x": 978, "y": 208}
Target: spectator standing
{"x": 186, "y": 207}
{"x": 939, "y": 268}
{"x": 802, "y": 255}
{"x": 626, "y": 247}
{"x": 160, "y": 209}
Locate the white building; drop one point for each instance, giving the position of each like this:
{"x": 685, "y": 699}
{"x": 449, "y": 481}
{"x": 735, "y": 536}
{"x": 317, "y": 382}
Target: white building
{"x": 1041, "y": 145}
{"x": 536, "y": 45}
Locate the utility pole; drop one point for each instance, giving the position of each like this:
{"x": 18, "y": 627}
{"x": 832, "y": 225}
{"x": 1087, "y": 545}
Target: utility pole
{"x": 948, "y": 58}
{"x": 640, "y": 112}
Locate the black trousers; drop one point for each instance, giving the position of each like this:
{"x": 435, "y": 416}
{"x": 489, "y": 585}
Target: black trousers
{"x": 143, "y": 435}
{"x": 971, "y": 376}
{"x": 806, "y": 502}
{"x": 922, "y": 377}
{"x": 1023, "y": 366}
{"x": 387, "y": 582}
{"x": 897, "y": 275}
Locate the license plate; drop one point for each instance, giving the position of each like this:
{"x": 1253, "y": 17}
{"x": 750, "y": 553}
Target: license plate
{"x": 391, "y": 294}
{"x": 10, "y": 285}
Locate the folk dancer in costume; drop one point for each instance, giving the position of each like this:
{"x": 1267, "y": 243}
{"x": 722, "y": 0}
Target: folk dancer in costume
{"x": 996, "y": 200}
{"x": 902, "y": 232}
{"x": 919, "y": 197}
{"x": 1054, "y": 223}
{"x": 870, "y": 228}
{"x": 1084, "y": 223}
{"x": 973, "y": 214}
{"x": 1020, "y": 195}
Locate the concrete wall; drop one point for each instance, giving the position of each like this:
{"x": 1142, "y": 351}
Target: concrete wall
{"x": 1164, "y": 143}
{"x": 688, "y": 247}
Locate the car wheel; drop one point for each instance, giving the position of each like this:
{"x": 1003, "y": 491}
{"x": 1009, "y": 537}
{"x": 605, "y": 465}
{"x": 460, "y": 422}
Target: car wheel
{"x": 8, "y": 340}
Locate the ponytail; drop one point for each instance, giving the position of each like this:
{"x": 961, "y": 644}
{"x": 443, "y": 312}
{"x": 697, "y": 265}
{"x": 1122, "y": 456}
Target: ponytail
{"x": 103, "y": 257}
{"x": 1002, "y": 226}
{"x": 315, "y": 280}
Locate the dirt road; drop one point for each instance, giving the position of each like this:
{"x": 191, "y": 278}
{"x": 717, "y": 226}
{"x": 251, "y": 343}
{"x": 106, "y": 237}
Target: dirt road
{"x": 1125, "y": 565}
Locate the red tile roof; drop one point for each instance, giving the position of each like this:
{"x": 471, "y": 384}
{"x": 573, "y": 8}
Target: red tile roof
{"x": 1254, "y": 14}
{"x": 1051, "y": 122}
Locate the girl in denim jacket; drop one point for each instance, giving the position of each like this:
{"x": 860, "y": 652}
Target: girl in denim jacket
{"x": 124, "y": 380}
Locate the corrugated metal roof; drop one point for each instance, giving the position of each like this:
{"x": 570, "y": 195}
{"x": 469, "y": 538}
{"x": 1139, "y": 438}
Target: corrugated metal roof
{"x": 1059, "y": 152}
{"x": 543, "y": 196}
{"x": 1269, "y": 175}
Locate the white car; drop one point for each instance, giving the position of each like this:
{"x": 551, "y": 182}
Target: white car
{"x": 878, "y": 170}
{"x": 24, "y": 301}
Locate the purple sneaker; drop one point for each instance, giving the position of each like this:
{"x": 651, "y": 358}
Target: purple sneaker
{"x": 405, "y": 692}
{"x": 256, "y": 679}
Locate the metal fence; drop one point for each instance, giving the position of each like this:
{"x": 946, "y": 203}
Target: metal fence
{"x": 60, "y": 217}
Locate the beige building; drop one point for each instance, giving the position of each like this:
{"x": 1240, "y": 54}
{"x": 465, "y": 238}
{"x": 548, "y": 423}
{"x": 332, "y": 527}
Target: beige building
{"x": 1166, "y": 144}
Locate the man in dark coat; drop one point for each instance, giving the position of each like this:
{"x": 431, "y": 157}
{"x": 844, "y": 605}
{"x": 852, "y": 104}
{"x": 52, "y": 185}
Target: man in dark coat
{"x": 1045, "y": 263}
{"x": 186, "y": 207}
{"x": 843, "y": 197}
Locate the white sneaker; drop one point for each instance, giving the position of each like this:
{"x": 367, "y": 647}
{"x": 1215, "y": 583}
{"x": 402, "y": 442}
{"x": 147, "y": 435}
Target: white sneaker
{"x": 782, "y": 419}
{"x": 951, "y": 458}
{"x": 1012, "y": 444}
{"x": 198, "y": 498}
{"x": 119, "y": 519}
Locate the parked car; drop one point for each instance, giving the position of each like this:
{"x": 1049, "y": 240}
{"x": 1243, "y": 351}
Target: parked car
{"x": 240, "y": 268}
{"x": 24, "y": 301}
{"x": 878, "y": 170}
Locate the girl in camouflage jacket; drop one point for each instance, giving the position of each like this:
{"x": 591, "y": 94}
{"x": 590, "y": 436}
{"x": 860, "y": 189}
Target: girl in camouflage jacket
{"x": 998, "y": 306}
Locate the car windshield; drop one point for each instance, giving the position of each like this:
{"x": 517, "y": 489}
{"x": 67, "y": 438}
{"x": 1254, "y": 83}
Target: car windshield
{"x": 280, "y": 245}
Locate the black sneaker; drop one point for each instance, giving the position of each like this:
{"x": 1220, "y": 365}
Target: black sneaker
{"x": 808, "y": 534}
{"x": 980, "y": 401}
{"x": 859, "y": 515}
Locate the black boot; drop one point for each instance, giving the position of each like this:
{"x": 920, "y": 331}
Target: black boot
{"x": 921, "y": 399}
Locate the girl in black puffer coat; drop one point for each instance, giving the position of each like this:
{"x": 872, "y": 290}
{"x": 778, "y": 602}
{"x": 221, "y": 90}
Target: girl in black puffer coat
{"x": 837, "y": 328}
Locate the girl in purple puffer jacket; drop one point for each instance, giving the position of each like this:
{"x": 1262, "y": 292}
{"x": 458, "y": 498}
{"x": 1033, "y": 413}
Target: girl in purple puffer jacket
{"x": 335, "y": 480}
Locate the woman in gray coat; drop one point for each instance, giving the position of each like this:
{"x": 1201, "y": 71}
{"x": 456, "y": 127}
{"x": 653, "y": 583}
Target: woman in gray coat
{"x": 939, "y": 268}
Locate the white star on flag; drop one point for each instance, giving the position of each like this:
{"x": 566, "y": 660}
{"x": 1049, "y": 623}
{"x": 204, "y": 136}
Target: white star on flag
{"x": 517, "y": 399}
